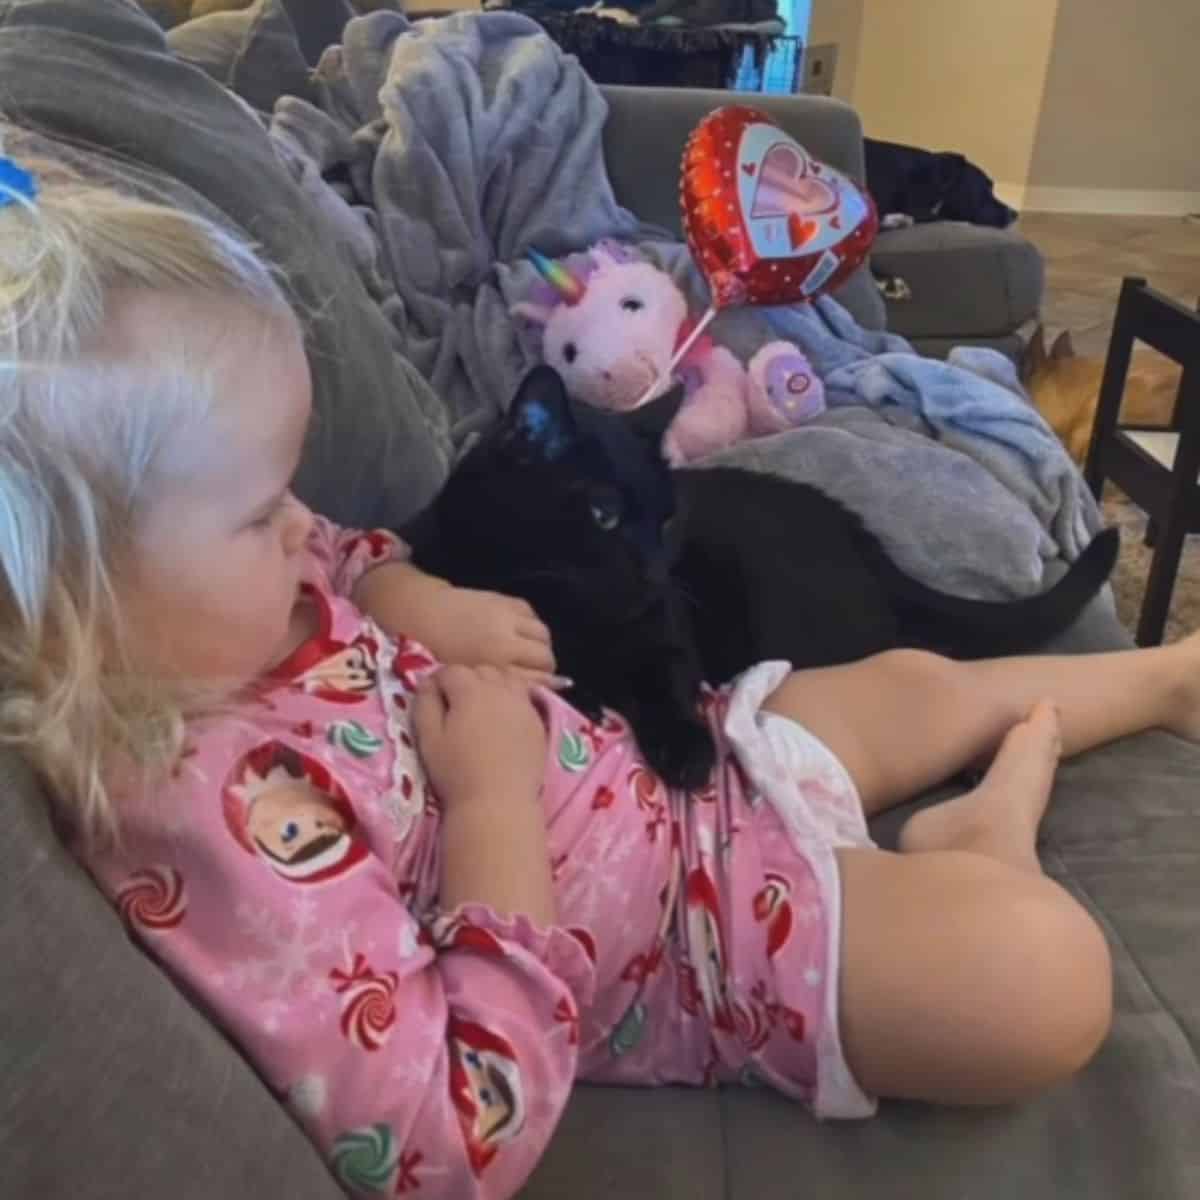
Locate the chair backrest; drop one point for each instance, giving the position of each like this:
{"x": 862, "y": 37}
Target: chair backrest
{"x": 1167, "y": 326}
{"x": 1157, "y": 468}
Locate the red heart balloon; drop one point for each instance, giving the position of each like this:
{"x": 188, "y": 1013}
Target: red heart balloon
{"x": 768, "y": 224}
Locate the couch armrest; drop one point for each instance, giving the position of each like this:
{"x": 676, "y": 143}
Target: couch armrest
{"x": 643, "y": 146}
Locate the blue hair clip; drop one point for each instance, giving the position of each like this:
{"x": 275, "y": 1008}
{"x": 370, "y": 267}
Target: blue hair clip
{"x": 16, "y": 183}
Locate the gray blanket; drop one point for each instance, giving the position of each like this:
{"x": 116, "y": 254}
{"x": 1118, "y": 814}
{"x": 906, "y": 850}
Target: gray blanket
{"x": 458, "y": 144}
{"x": 465, "y": 142}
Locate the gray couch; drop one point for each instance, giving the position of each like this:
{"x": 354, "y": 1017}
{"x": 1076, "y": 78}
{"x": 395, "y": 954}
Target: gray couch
{"x": 968, "y": 284}
{"x": 112, "y": 1085}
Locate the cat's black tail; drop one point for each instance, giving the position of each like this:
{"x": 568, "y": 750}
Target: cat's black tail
{"x": 968, "y": 628}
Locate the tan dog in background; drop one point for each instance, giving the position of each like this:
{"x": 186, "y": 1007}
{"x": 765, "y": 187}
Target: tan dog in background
{"x": 1065, "y": 389}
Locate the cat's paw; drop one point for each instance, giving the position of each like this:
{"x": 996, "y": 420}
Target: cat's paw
{"x": 681, "y": 753}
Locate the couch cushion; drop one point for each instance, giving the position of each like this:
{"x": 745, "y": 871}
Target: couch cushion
{"x": 378, "y": 447}
{"x": 254, "y": 51}
{"x": 966, "y": 280}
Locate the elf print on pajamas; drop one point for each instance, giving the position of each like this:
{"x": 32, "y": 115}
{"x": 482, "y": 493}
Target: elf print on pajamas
{"x": 287, "y": 875}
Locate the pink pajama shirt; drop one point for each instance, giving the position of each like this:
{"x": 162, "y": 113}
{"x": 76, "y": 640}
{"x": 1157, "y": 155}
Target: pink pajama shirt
{"x": 287, "y": 876}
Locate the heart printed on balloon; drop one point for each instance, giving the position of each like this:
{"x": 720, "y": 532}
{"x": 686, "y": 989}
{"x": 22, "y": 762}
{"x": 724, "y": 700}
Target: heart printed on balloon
{"x": 766, "y": 222}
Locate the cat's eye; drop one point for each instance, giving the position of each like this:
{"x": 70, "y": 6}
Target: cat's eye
{"x": 570, "y": 352}
{"x": 606, "y": 516}
{"x": 633, "y": 304}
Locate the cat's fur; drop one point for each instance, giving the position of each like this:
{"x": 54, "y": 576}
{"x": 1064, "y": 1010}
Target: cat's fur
{"x": 652, "y": 580}
{"x": 1065, "y": 388}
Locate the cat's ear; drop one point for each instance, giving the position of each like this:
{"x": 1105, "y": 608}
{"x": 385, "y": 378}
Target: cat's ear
{"x": 653, "y": 418}
{"x": 1063, "y": 347}
{"x": 540, "y": 421}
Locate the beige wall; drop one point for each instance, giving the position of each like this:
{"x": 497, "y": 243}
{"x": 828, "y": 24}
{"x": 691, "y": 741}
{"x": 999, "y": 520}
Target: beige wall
{"x": 964, "y": 75}
{"x": 1121, "y": 110}
{"x": 840, "y": 22}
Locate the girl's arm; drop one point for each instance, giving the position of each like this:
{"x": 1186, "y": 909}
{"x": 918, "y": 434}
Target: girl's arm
{"x": 432, "y": 1058}
{"x": 484, "y": 747}
{"x": 459, "y": 625}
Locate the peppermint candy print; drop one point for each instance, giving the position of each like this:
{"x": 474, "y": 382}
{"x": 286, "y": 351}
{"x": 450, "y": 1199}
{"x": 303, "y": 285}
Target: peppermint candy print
{"x": 574, "y": 754}
{"x": 629, "y": 1030}
{"x": 152, "y": 899}
{"x": 365, "y": 1159}
{"x": 751, "y": 1024}
{"x": 368, "y": 1005}
{"x": 355, "y": 738}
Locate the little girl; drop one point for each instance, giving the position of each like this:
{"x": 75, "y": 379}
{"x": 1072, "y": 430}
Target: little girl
{"x": 424, "y": 899}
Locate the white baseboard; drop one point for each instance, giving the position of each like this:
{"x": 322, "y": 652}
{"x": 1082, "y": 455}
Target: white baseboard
{"x": 1105, "y": 201}
{"x": 1012, "y": 194}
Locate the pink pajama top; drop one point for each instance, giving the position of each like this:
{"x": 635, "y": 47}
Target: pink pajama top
{"x": 286, "y": 875}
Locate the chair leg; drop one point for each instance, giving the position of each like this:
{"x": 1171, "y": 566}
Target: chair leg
{"x": 1112, "y": 385}
{"x": 1156, "y": 602}
{"x": 1151, "y": 533}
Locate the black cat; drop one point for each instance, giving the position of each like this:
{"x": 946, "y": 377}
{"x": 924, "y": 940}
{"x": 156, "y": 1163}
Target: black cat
{"x": 651, "y": 580}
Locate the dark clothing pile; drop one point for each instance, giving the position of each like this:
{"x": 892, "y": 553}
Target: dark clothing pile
{"x": 652, "y": 55}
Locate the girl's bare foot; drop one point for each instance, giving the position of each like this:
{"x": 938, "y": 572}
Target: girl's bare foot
{"x": 1000, "y": 817}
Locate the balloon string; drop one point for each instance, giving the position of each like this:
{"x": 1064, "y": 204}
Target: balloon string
{"x": 678, "y": 356}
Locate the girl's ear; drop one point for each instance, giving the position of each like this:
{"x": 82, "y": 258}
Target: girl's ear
{"x": 539, "y": 420}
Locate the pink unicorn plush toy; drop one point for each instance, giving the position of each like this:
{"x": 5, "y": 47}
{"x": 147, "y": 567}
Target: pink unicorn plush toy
{"x": 611, "y": 331}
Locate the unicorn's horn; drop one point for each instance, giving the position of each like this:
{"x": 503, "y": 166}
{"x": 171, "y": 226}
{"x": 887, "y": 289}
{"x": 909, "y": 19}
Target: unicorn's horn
{"x": 568, "y": 286}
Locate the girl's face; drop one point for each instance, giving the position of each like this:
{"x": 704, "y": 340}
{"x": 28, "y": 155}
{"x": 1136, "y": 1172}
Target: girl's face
{"x": 218, "y": 548}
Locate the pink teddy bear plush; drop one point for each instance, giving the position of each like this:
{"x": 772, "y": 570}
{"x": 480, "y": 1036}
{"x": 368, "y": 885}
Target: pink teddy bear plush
{"x": 611, "y": 331}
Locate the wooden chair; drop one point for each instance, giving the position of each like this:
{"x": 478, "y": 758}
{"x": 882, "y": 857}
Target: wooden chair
{"x": 1157, "y": 467}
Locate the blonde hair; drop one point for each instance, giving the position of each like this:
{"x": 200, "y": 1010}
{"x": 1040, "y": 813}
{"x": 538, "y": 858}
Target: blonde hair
{"x": 79, "y": 437}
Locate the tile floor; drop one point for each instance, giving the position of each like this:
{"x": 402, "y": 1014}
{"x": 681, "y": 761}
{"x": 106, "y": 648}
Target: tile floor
{"x": 1086, "y": 258}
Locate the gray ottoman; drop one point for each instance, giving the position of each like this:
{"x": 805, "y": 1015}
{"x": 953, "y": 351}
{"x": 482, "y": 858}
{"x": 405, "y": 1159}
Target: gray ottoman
{"x": 970, "y": 284}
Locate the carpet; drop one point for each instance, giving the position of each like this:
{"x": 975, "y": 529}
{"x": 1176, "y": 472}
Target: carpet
{"x": 1133, "y": 566}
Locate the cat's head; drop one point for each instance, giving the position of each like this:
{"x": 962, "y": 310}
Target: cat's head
{"x": 566, "y": 502}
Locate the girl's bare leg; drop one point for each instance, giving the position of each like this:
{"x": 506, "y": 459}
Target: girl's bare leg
{"x": 967, "y": 976}
{"x": 905, "y": 720}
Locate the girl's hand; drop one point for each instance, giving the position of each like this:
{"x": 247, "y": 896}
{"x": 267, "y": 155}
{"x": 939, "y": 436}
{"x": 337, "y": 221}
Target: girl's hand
{"x": 476, "y": 628}
{"x": 480, "y": 736}
{"x": 460, "y": 625}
